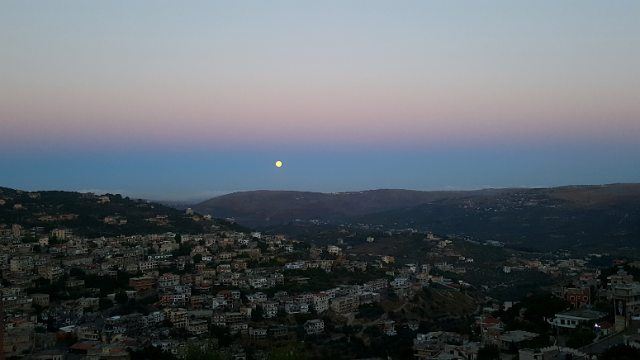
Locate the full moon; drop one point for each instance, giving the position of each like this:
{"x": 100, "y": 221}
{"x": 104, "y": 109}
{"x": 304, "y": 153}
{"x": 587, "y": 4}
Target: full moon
{"x": 278, "y": 164}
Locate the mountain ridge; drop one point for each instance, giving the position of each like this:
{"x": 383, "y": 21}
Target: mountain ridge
{"x": 251, "y": 205}
{"x": 540, "y": 218}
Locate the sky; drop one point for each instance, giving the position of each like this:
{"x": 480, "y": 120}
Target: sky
{"x": 186, "y": 100}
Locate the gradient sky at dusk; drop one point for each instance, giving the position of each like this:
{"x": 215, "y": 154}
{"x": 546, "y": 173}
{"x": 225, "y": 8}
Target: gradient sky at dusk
{"x": 173, "y": 100}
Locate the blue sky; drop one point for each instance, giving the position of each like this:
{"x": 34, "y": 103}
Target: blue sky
{"x": 182, "y": 100}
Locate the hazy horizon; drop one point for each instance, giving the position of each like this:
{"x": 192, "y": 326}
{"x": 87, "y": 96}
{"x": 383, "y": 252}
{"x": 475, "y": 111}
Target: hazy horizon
{"x": 172, "y": 100}
{"x": 193, "y": 199}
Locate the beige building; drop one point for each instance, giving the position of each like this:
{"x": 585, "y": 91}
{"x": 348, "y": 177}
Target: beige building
{"x": 345, "y": 304}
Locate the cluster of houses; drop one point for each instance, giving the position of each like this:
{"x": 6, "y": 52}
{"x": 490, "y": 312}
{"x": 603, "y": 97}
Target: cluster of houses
{"x": 65, "y": 296}
{"x": 55, "y": 293}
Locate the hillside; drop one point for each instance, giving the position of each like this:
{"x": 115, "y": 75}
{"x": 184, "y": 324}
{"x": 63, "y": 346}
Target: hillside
{"x": 262, "y": 208}
{"x": 607, "y": 216}
{"x": 94, "y": 215}
{"x": 529, "y": 218}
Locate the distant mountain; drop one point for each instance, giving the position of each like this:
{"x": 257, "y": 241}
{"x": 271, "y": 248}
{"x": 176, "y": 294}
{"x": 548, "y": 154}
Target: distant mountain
{"x": 264, "y": 208}
{"x": 603, "y": 217}
{"x": 527, "y": 217}
{"x": 94, "y": 215}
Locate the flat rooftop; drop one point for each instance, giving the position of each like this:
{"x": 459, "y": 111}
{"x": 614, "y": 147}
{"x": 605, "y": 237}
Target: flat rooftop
{"x": 583, "y": 314}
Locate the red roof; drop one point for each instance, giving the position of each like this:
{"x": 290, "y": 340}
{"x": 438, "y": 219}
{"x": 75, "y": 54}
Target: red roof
{"x": 85, "y": 345}
{"x": 490, "y": 320}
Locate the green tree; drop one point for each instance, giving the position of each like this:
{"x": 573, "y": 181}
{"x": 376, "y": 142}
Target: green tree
{"x": 151, "y": 353}
{"x": 77, "y": 272}
{"x": 206, "y": 353}
{"x": 183, "y": 250}
{"x": 290, "y": 352}
{"x": 489, "y": 352}
{"x": 29, "y": 239}
{"x": 580, "y": 337}
{"x": 105, "y": 303}
{"x": 621, "y": 352}
{"x": 257, "y": 314}
{"x": 121, "y": 297}
{"x": 53, "y": 240}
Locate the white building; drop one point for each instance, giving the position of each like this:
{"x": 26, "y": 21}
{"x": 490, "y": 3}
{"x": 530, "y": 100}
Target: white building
{"x": 573, "y": 318}
{"x": 314, "y": 327}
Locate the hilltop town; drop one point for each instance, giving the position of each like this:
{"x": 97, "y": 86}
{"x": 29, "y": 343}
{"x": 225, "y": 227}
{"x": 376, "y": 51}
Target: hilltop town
{"x": 220, "y": 291}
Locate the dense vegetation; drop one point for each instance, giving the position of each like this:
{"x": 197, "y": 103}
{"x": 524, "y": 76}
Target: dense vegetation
{"x": 578, "y": 217}
{"x": 92, "y": 216}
